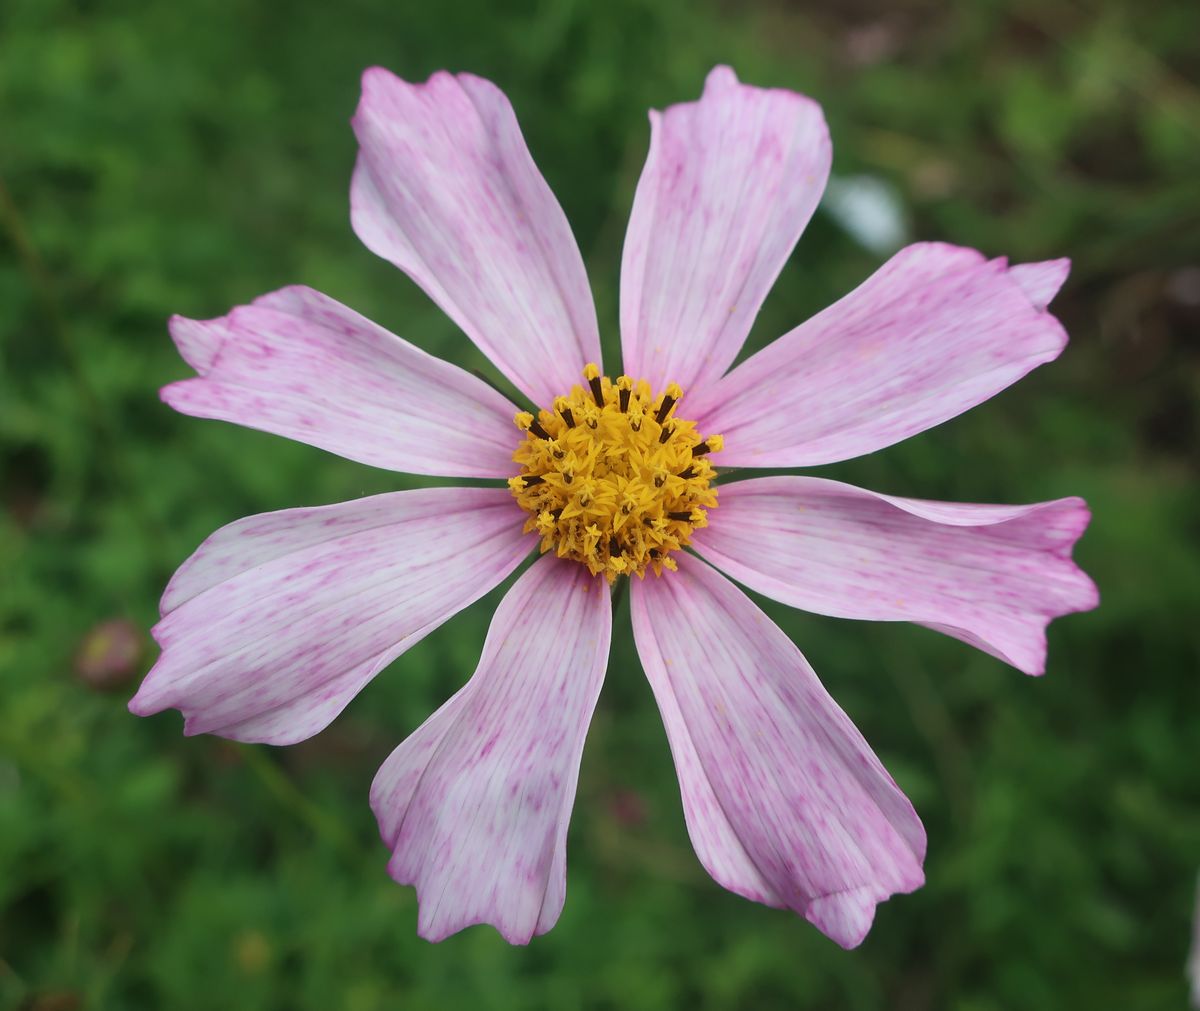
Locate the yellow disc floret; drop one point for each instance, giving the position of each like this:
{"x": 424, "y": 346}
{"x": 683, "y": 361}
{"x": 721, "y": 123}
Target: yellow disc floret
{"x": 611, "y": 478}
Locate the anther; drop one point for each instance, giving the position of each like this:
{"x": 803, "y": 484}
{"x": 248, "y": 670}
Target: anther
{"x": 614, "y": 546}
{"x": 670, "y": 397}
{"x": 592, "y": 374}
{"x": 682, "y": 517}
{"x": 689, "y": 473}
{"x": 526, "y": 422}
{"x": 666, "y": 433}
{"x": 532, "y": 480}
{"x": 701, "y": 449}
{"x": 560, "y": 405}
{"x": 624, "y": 388}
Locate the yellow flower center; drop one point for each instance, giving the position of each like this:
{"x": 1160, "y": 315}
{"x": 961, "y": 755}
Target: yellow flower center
{"x": 611, "y": 478}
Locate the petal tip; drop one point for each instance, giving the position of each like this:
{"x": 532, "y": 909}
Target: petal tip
{"x": 436, "y": 928}
{"x": 435, "y": 933}
{"x": 1041, "y": 281}
{"x": 374, "y": 81}
{"x": 198, "y": 341}
{"x": 376, "y": 76}
{"x": 177, "y": 395}
{"x": 722, "y": 77}
{"x": 846, "y": 917}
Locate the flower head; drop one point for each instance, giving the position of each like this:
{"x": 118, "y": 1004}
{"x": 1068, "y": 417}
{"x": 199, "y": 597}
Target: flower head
{"x": 277, "y": 621}
{"x": 613, "y": 478}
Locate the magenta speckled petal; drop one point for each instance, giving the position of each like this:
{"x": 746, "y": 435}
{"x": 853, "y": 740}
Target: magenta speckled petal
{"x": 992, "y": 576}
{"x": 299, "y": 364}
{"x": 446, "y": 190}
{"x": 475, "y": 804}
{"x": 935, "y": 331}
{"x": 785, "y": 802}
{"x": 729, "y": 184}
{"x": 279, "y": 620}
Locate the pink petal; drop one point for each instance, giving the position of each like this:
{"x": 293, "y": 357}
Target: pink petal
{"x": 993, "y": 576}
{"x": 728, "y": 186}
{"x": 279, "y": 620}
{"x": 935, "y": 331}
{"x": 475, "y": 803}
{"x": 1041, "y": 281}
{"x": 446, "y": 190}
{"x": 301, "y": 365}
{"x": 784, "y": 801}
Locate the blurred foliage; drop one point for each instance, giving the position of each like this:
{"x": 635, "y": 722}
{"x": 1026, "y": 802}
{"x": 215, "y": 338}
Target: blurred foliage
{"x": 187, "y": 156}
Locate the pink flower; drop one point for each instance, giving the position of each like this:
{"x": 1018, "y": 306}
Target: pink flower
{"x": 277, "y": 621}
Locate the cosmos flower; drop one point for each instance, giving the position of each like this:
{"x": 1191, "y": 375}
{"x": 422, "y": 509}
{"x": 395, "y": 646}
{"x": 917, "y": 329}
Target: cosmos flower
{"x": 277, "y": 621}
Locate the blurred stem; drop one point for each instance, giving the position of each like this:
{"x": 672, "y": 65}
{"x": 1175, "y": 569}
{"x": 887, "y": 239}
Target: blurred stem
{"x": 116, "y": 467}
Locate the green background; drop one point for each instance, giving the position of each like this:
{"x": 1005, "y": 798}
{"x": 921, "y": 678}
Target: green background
{"x": 187, "y": 156}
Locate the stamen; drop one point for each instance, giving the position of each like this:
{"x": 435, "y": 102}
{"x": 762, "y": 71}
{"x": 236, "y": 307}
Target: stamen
{"x": 668, "y": 401}
{"x": 666, "y": 433}
{"x": 526, "y": 422}
{"x": 592, "y": 375}
{"x": 624, "y": 388}
{"x": 560, "y": 405}
{"x": 713, "y": 444}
